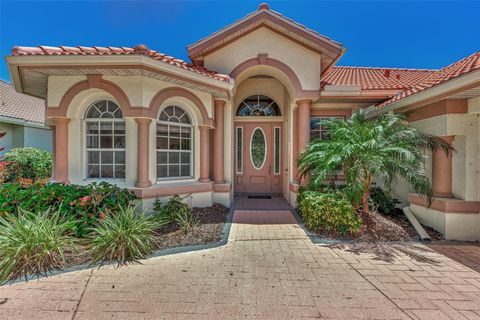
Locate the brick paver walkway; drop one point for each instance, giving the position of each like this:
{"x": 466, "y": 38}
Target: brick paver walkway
{"x": 467, "y": 254}
{"x": 266, "y": 271}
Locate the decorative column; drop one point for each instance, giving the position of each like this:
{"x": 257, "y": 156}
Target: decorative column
{"x": 218, "y": 147}
{"x": 303, "y": 125}
{"x": 303, "y": 129}
{"x": 442, "y": 171}
{"x": 61, "y": 149}
{"x": 143, "y": 126}
{"x": 294, "y": 144}
{"x": 204, "y": 151}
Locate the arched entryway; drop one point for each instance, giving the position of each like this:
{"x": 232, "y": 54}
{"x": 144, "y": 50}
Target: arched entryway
{"x": 258, "y": 145}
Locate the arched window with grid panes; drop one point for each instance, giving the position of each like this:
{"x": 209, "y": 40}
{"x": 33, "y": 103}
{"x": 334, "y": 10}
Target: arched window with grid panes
{"x": 174, "y": 144}
{"x": 105, "y": 141}
{"x": 258, "y": 106}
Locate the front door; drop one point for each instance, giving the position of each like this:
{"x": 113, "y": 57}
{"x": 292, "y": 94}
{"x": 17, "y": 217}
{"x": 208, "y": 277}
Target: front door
{"x": 258, "y": 157}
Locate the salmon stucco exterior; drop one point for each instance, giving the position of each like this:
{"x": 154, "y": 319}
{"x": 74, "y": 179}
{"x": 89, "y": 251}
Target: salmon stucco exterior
{"x": 234, "y": 119}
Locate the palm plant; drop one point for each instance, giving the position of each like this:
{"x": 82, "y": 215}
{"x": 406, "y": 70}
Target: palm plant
{"x": 364, "y": 149}
{"x": 33, "y": 244}
{"x": 124, "y": 237}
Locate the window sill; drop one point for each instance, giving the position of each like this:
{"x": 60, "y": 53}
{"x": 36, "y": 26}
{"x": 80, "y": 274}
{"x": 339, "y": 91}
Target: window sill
{"x": 175, "y": 180}
{"x": 173, "y": 187}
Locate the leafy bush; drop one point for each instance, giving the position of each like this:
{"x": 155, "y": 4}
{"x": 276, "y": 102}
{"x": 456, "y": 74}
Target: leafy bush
{"x": 82, "y": 204}
{"x": 33, "y": 244}
{"x": 176, "y": 211}
{"x": 28, "y": 164}
{"x": 383, "y": 201}
{"x": 123, "y": 237}
{"x": 328, "y": 211}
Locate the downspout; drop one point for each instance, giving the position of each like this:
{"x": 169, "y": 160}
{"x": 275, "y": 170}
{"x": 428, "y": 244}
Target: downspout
{"x": 416, "y": 225}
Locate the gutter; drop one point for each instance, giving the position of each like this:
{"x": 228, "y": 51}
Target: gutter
{"x": 23, "y": 122}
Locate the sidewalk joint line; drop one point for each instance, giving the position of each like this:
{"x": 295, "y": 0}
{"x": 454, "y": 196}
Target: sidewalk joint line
{"x": 82, "y": 294}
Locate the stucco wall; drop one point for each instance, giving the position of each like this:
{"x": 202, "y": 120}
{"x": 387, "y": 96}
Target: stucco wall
{"x": 139, "y": 89}
{"x": 305, "y": 63}
{"x": 140, "y": 92}
{"x": 7, "y": 141}
{"x": 38, "y": 138}
{"x": 24, "y": 136}
{"x": 465, "y": 158}
{"x": 465, "y": 172}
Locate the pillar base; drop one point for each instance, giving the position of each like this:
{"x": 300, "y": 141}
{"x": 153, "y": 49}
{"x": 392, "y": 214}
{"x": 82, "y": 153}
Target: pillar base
{"x": 443, "y": 195}
{"x": 204, "y": 180}
{"x": 143, "y": 184}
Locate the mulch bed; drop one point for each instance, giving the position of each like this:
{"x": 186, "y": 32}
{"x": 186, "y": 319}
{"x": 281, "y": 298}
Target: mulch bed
{"x": 379, "y": 227}
{"x": 209, "y": 230}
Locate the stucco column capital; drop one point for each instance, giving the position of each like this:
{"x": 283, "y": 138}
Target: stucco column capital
{"x": 219, "y": 102}
{"x": 448, "y": 139}
{"x": 204, "y": 127}
{"x": 304, "y": 103}
{"x": 60, "y": 120}
{"x": 143, "y": 121}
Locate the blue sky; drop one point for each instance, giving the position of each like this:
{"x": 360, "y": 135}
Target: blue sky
{"x": 414, "y": 34}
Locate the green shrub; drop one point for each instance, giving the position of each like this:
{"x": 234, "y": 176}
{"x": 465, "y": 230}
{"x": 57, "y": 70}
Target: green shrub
{"x": 123, "y": 237}
{"x": 187, "y": 220}
{"x": 175, "y": 210}
{"x": 383, "y": 201}
{"x": 328, "y": 211}
{"x": 28, "y": 164}
{"x": 33, "y": 244}
{"x": 82, "y": 204}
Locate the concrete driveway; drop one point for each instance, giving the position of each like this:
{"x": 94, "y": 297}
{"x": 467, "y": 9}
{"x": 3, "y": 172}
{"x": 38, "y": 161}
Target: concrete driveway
{"x": 269, "y": 270}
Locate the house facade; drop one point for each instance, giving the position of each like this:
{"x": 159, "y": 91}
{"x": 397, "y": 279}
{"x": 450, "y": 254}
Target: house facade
{"x": 235, "y": 118}
{"x": 22, "y": 118}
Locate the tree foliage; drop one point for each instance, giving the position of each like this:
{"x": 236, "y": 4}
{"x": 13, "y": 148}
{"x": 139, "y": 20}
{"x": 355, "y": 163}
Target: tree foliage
{"x": 364, "y": 149}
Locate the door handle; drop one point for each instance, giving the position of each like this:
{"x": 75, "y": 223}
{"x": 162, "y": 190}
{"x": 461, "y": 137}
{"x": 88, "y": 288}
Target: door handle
{"x": 269, "y": 169}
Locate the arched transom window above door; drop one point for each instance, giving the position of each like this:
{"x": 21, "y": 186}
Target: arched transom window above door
{"x": 258, "y": 106}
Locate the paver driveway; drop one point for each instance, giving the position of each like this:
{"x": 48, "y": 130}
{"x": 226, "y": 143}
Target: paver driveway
{"x": 267, "y": 271}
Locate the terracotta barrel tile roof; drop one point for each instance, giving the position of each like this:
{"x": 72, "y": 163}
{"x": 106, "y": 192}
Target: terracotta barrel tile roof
{"x": 20, "y": 106}
{"x": 452, "y": 71}
{"x": 140, "y": 49}
{"x": 375, "y": 78}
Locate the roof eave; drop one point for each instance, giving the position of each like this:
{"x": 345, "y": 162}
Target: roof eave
{"x": 432, "y": 94}
{"x": 14, "y": 62}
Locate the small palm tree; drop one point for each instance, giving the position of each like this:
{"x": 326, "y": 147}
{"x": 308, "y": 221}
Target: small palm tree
{"x": 364, "y": 149}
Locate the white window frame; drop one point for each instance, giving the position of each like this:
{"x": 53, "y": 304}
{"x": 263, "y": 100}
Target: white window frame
{"x": 99, "y": 149}
{"x": 191, "y": 151}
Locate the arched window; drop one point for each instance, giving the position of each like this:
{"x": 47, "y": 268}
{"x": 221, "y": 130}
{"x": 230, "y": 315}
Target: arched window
{"x": 258, "y": 106}
{"x": 174, "y": 143}
{"x": 105, "y": 141}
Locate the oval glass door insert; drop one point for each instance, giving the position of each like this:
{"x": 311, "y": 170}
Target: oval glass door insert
{"x": 258, "y": 148}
